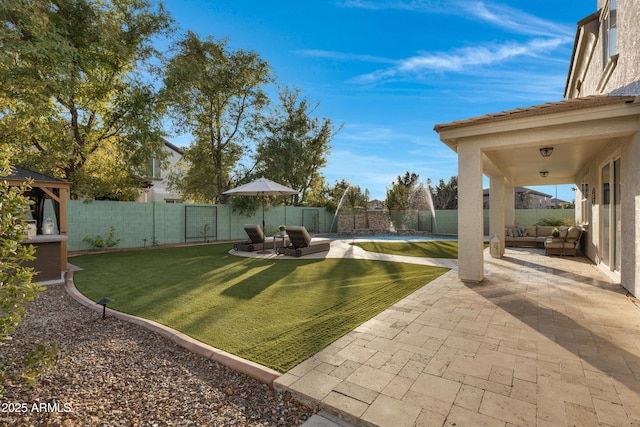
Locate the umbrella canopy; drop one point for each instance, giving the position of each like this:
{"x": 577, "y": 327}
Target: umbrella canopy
{"x": 262, "y": 187}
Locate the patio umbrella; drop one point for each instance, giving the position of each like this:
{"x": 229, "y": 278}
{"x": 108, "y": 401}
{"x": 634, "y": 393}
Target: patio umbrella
{"x": 261, "y": 187}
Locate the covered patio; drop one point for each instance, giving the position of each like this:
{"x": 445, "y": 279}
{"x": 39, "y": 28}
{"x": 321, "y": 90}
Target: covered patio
{"x": 566, "y": 142}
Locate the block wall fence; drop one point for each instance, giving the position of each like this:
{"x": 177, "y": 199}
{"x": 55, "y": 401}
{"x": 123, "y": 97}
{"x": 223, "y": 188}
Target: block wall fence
{"x": 145, "y": 224}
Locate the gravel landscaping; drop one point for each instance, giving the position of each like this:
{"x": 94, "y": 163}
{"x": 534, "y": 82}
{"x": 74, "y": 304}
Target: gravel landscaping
{"x": 113, "y": 373}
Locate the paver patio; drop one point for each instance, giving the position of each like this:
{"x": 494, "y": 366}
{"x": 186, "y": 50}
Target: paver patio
{"x": 542, "y": 341}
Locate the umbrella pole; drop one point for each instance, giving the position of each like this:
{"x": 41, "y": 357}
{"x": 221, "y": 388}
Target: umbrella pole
{"x": 264, "y": 251}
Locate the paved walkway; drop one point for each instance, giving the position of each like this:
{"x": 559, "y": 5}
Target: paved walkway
{"x": 542, "y": 341}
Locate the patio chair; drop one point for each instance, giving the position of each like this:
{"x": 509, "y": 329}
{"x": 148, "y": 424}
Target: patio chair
{"x": 257, "y": 240}
{"x": 563, "y": 245}
{"x": 301, "y": 243}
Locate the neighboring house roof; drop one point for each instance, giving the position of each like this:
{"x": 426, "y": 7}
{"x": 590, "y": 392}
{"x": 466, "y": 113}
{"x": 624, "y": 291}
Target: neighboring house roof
{"x": 539, "y": 110}
{"x": 173, "y": 147}
{"x": 22, "y": 174}
{"x": 520, "y": 190}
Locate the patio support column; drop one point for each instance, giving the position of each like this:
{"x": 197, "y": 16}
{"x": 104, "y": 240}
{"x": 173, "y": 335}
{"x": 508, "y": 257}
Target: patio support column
{"x": 509, "y": 203}
{"x": 497, "y": 209}
{"x": 470, "y": 214}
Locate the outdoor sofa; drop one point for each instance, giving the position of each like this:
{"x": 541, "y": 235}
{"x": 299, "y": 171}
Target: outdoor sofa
{"x": 257, "y": 239}
{"x": 541, "y": 236}
{"x": 301, "y": 243}
{"x": 532, "y": 237}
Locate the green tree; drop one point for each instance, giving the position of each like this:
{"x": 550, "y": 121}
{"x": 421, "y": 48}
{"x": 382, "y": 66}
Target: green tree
{"x": 346, "y": 197}
{"x": 16, "y": 287}
{"x": 398, "y": 195}
{"x": 74, "y": 92}
{"x": 445, "y": 194}
{"x": 296, "y": 145}
{"x": 217, "y": 95}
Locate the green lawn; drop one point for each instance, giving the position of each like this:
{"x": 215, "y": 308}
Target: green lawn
{"x": 274, "y": 312}
{"x": 432, "y": 249}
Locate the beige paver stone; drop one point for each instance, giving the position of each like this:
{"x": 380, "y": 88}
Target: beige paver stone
{"x": 385, "y": 345}
{"x": 580, "y": 416}
{"x": 357, "y": 353}
{"x": 610, "y": 413}
{"x": 470, "y": 365}
{"x": 551, "y": 411}
{"x": 285, "y": 380}
{"x": 437, "y": 387}
{"x": 501, "y": 374}
{"x": 525, "y": 369}
{"x": 429, "y": 418}
{"x": 347, "y": 368}
{"x": 412, "y": 369}
{"x": 508, "y": 409}
{"x": 629, "y": 396}
{"x": 460, "y": 416}
{"x": 315, "y": 384}
{"x": 428, "y": 403}
{"x": 409, "y": 337}
{"x": 565, "y": 391}
{"x": 462, "y": 344}
{"x": 370, "y": 378}
{"x": 389, "y": 412}
{"x": 524, "y": 390}
{"x": 398, "y": 387}
{"x": 305, "y": 366}
{"x": 391, "y": 368}
{"x": 345, "y": 404}
{"x": 469, "y": 397}
{"x": 357, "y": 392}
{"x": 378, "y": 360}
{"x": 487, "y": 385}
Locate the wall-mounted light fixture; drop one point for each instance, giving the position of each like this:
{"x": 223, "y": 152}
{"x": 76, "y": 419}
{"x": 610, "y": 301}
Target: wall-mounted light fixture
{"x": 546, "y": 151}
{"x": 544, "y": 174}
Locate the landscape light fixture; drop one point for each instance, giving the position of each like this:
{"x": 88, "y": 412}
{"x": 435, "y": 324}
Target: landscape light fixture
{"x": 546, "y": 151}
{"x": 544, "y": 174}
{"x": 103, "y": 302}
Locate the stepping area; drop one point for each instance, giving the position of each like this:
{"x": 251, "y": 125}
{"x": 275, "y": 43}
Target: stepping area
{"x": 542, "y": 341}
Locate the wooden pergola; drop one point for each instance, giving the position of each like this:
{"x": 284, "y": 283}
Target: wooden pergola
{"x": 41, "y": 188}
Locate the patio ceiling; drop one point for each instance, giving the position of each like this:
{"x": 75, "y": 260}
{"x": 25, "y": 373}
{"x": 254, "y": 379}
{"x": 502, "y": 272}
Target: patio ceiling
{"x": 577, "y": 129}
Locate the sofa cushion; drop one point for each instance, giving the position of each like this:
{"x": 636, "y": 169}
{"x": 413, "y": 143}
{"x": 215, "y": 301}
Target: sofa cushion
{"x": 531, "y": 231}
{"x": 544, "y": 230}
{"x": 563, "y": 231}
{"x": 573, "y": 234}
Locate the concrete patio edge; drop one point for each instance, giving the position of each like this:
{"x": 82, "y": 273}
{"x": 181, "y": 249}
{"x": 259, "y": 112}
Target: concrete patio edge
{"x": 247, "y": 367}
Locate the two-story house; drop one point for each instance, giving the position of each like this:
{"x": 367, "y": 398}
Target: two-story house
{"x": 157, "y": 190}
{"x": 590, "y": 140}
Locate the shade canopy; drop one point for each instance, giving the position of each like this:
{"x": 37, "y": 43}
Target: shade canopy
{"x": 261, "y": 187}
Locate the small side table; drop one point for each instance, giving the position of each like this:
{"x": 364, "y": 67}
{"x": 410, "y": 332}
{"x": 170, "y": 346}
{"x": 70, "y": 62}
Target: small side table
{"x": 285, "y": 241}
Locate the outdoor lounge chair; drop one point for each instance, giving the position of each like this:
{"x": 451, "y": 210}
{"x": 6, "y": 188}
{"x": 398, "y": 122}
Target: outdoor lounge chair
{"x": 302, "y": 244}
{"x": 565, "y": 244}
{"x": 257, "y": 240}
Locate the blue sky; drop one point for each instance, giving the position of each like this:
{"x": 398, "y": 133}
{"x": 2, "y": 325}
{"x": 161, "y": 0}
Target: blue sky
{"x": 389, "y": 70}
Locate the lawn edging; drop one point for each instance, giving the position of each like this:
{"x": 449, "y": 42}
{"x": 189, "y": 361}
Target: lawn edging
{"x": 247, "y": 367}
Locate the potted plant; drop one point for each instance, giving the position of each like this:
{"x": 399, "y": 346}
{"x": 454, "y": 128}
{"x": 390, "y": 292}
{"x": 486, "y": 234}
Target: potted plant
{"x": 555, "y": 232}
{"x": 283, "y": 229}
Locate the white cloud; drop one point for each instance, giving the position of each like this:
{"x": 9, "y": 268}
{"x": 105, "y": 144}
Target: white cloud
{"x": 461, "y": 59}
{"x": 496, "y": 14}
{"x": 513, "y": 20}
{"x": 341, "y": 56}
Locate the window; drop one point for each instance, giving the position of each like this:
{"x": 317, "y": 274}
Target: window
{"x": 609, "y": 29}
{"x": 154, "y": 169}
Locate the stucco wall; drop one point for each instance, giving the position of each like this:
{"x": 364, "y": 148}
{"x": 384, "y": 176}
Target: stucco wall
{"x": 624, "y": 79}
